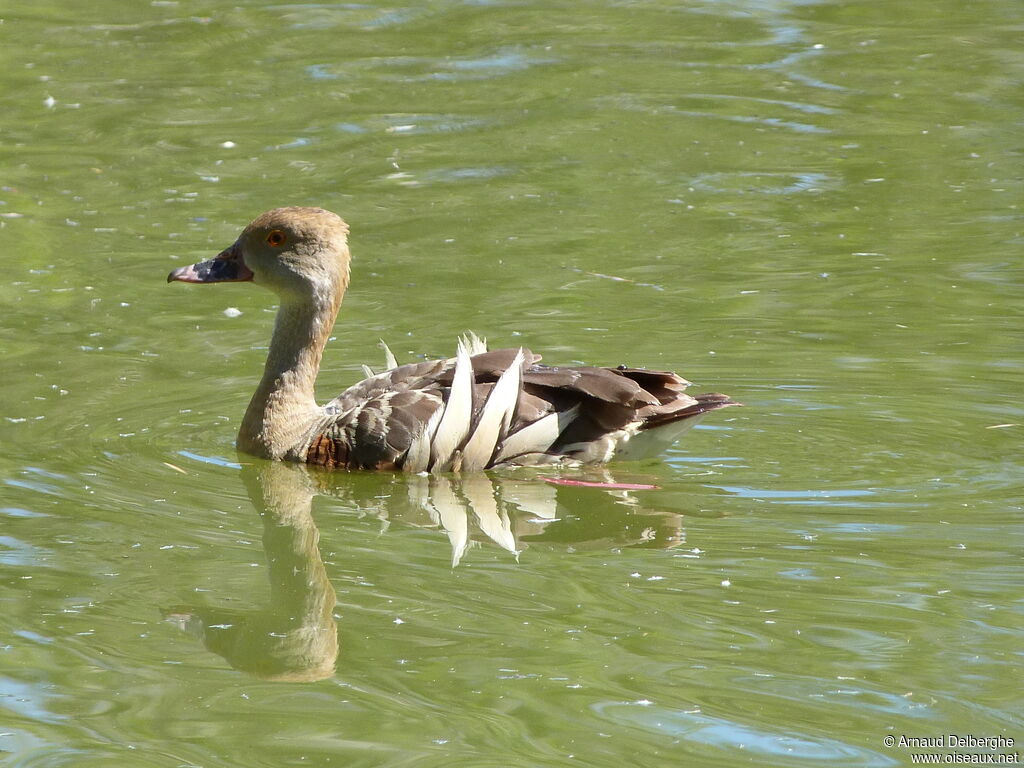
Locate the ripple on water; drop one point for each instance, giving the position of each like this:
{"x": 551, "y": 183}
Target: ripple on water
{"x": 753, "y": 116}
{"x": 763, "y": 183}
{"x": 446, "y": 175}
{"x": 820, "y": 497}
{"x": 20, "y": 512}
{"x": 782, "y": 747}
{"x": 361, "y": 15}
{"x": 410, "y": 69}
{"x": 19, "y": 553}
{"x": 218, "y": 461}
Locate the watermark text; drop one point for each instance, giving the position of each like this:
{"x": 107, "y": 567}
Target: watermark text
{"x": 956, "y": 749}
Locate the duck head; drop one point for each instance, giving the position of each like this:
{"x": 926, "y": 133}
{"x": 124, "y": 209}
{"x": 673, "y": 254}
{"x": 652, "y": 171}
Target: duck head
{"x": 292, "y": 251}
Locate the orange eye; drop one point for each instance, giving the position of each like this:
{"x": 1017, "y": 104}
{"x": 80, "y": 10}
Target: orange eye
{"x": 276, "y": 238}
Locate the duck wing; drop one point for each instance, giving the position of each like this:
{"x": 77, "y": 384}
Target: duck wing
{"x": 501, "y": 407}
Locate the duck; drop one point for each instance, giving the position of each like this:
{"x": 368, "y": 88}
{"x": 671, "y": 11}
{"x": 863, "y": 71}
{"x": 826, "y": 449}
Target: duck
{"x": 478, "y": 410}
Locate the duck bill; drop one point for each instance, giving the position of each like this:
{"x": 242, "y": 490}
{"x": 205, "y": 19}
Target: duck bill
{"x": 228, "y": 266}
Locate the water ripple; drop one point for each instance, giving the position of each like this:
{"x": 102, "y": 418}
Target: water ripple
{"x": 763, "y": 183}
{"x": 424, "y": 68}
{"x": 781, "y": 746}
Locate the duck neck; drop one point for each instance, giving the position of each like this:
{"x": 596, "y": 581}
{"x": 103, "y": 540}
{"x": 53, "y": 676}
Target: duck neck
{"x": 283, "y": 411}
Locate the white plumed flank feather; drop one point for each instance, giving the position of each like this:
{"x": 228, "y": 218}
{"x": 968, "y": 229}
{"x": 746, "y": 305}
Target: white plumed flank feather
{"x": 389, "y": 357}
{"x": 536, "y": 437}
{"x": 418, "y": 457}
{"x": 458, "y": 412}
{"x": 495, "y": 418}
{"x": 473, "y": 343}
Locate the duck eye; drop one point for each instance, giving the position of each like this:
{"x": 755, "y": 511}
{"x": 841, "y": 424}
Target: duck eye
{"x": 276, "y": 238}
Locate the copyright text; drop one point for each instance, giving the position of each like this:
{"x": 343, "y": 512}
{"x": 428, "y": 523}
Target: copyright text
{"x": 984, "y": 750}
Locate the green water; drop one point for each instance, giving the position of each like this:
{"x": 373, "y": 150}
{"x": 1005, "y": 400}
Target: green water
{"x": 811, "y": 206}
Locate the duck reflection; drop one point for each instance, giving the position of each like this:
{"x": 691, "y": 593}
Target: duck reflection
{"x": 513, "y": 512}
{"x": 295, "y": 637}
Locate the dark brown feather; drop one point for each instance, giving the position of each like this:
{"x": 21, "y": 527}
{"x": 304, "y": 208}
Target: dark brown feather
{"x": 709, "y": 401}
{"x": 665, "y": 386}
{"x": 325, "y": 451}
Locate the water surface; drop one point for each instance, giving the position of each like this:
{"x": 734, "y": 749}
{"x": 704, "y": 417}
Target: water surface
{"x": 811, "y": 206}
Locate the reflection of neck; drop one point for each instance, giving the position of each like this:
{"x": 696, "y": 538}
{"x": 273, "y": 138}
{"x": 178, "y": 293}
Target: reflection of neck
{"x": 295, "y": 637}
{"x": 283, "y": 408}
{"x": 301, "y": 595}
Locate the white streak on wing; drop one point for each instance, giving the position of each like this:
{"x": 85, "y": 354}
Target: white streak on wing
{"x": 458, "y": 412}
{"x": 495, "y": 418}
{"x": 537, "y": 437}
{"x": 474, "y": 344}
{"x": 368, "y": 372}
{"x": 389, "y": 357}
{"x": 418, "y": 457}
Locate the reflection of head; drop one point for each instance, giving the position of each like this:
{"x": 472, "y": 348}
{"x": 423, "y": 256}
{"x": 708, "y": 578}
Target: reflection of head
{"x": 295, "y": 637}
{"x": 259, "y": 644}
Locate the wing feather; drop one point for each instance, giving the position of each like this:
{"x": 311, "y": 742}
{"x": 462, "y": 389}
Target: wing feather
{"x": 418, "y": 457}
{"x": 495, "y": 418}
{"x": 538, "y": 436}
{"x": 458, "y": 412}
{"x": 389, "y": 357}
{"x": 485, "y": 408}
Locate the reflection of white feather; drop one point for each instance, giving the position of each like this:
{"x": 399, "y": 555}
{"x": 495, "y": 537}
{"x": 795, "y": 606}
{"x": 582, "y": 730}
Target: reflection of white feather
{"x": 450, "y": 512}
{"x": 418, "y": 487}
{"x": 492, "y": 521}
{"x": 537, "y": 499}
